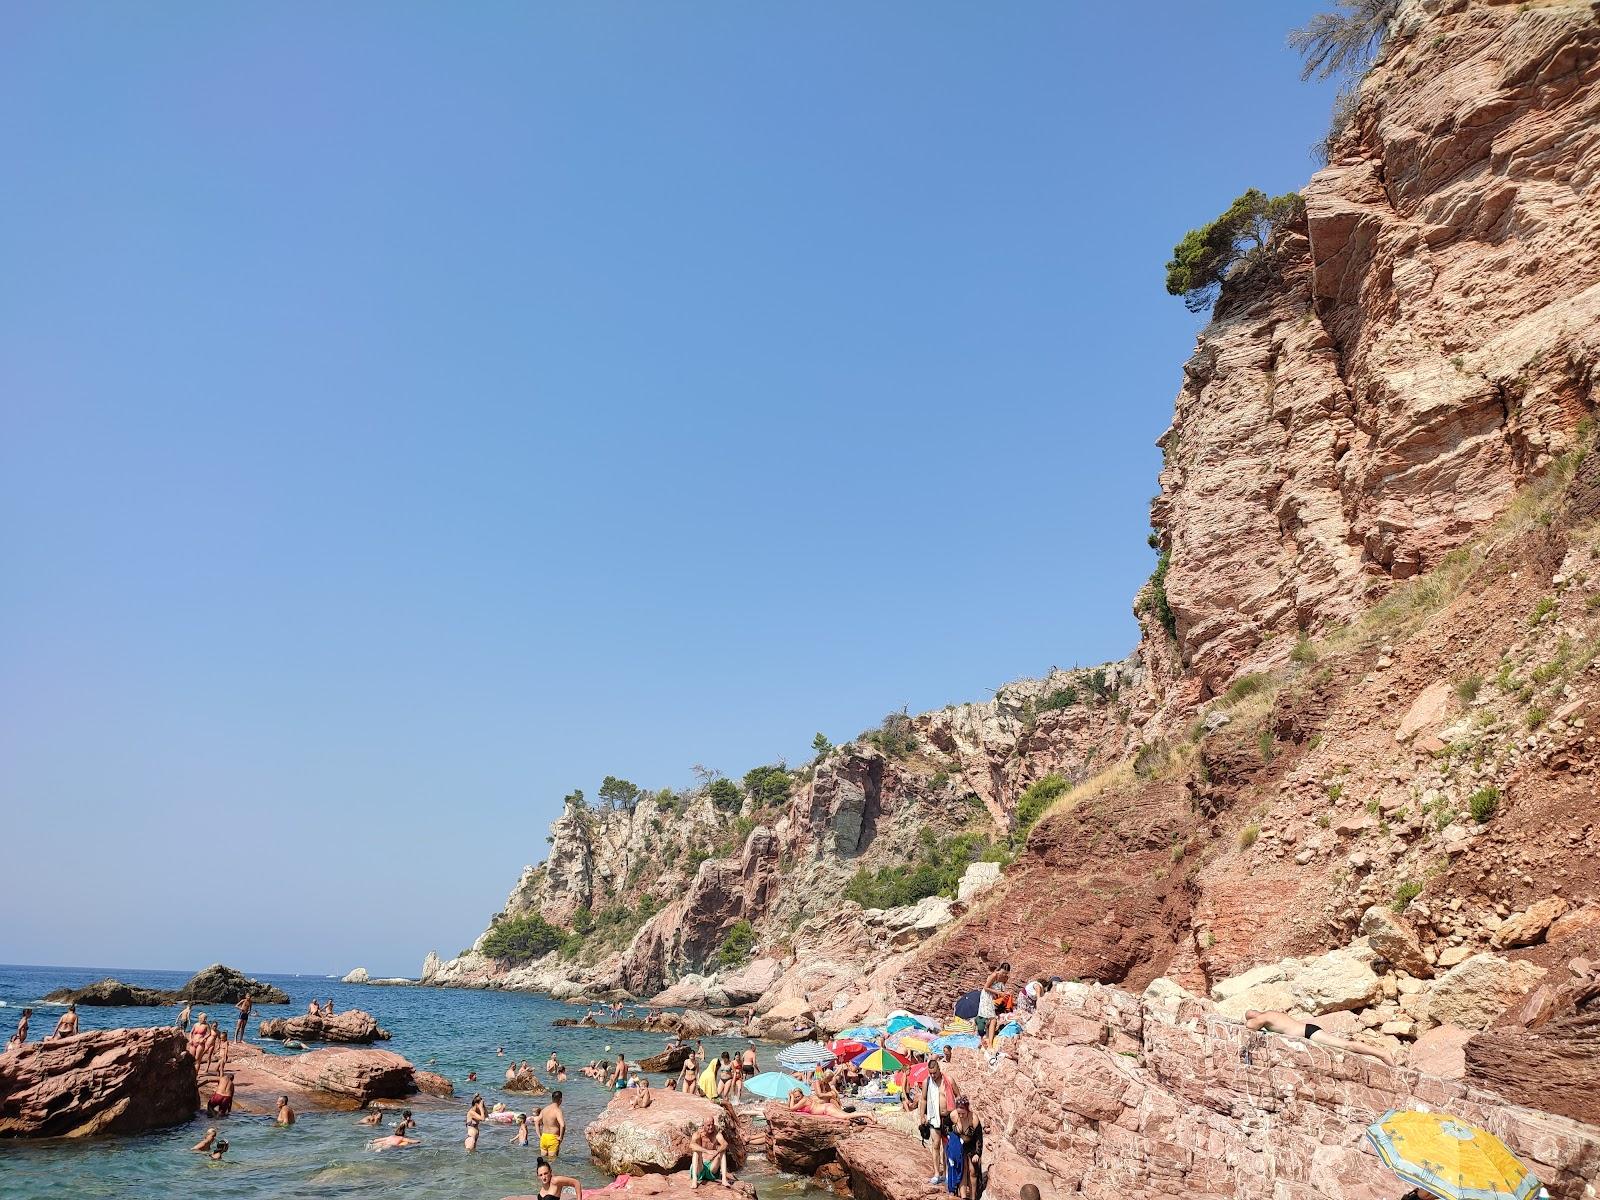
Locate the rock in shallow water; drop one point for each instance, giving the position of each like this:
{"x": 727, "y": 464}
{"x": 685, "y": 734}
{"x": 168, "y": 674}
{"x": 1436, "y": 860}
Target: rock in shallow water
{"x": 104, "y": 1081}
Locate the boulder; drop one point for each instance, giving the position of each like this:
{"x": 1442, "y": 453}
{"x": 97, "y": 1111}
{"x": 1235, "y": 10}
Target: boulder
{"x": 430, "y": 966}
{"x": 333, "y": 1077}
{"x": 431, "y": 1084}
{"x": 656, "y": 1139}
{"x": 1475, "y": 992}
{"x": 1441, "y": 1052}
{"x": 1337, "y": 981}
{"x": 1581, "y": 925}
{"x": 108, "y": 993}
{"x": 750, "y": 982}
{"x": 668, "y": 1061}
{"x": 787, "y": 1020}
{"x": 218, "y": 984}
{"x": 1427, "y": 710}
{"x": 103, "y": 1081}
{"x": 1526, "y": 928}
{"x": 359, "y": 975}
{"x": 977, "y": 879}
{"x": 1394, "y": 940}
{"x": 689, "y": 991}
{"x": 1553, "y": 1062}
{"x": 525, "y": 1082}
{"x": 802, "y": 1144}
{"x": 884, "y": 1165}
{"x": 688, "y": 1025}
{"x": 351, "y": 1026}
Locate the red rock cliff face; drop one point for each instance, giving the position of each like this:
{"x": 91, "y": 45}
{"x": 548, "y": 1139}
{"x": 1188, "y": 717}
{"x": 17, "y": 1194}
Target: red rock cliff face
{"x": 1431, "y": 343}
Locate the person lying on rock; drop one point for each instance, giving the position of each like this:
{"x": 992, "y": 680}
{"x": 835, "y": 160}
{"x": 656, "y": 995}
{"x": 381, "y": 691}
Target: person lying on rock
{"x": 552, "y": 1185}
{"x": 801, "y": 1103}
{"x": 708, "y": 1155}
{"x": 1257, "y": 1019}
{"x": 285, "y": 1115}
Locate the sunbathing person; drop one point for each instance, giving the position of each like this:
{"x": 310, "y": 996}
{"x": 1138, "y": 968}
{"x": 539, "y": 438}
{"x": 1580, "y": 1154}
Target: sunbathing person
{"x": 67, "y": 1023}
{"x": 1257, "y": 1019}
{"x": 817, "y": 1108}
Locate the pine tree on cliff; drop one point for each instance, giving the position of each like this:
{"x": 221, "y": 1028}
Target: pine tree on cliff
{"x": 1239, "y": 240}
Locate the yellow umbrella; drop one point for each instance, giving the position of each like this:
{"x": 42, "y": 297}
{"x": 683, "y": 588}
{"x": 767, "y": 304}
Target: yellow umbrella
{"x": 1449, "y": 1157}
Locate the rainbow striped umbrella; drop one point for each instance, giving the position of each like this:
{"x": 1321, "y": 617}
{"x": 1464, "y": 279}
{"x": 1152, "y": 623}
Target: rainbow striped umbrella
{"x": 879, "y": 1060}
{"x": 909, "y": 1041}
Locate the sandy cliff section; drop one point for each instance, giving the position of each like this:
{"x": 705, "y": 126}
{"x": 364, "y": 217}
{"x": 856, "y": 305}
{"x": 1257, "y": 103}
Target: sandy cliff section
{"x": 1430, "y": 343}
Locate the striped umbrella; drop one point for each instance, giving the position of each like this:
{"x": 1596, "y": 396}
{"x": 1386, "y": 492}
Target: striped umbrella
{"x": 909, "y": 1041}
{"x": 806, "y": 1056}
{"x": 879, "y": 1060}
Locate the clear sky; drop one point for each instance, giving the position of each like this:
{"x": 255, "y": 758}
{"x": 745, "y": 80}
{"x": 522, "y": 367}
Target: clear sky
{"x": 410, "y": 412}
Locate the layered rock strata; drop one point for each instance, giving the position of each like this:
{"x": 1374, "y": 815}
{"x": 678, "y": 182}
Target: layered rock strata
{"x": 104, "y": 1081}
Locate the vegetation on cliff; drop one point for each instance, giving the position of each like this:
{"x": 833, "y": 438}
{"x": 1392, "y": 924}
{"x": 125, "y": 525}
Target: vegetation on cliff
{"x": 1240, "y": 240}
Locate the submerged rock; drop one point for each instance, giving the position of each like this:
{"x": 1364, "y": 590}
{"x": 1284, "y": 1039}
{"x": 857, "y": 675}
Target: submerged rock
{"x": 103, "y": 1081}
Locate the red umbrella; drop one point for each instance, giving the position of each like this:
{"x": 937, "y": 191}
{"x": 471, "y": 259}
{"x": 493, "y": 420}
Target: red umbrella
{"x": 847, "y": 1048}
{"x": 913, "y": 1076}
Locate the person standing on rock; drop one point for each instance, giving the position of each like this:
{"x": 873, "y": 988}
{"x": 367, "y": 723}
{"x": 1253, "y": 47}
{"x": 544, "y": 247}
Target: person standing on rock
{"x": 1257, "y": 1019}
{"x": 21, "y": 1035}
{"x": 66, "y": 1023}
{"x": 939, "y": 1097}
{"x": 244, "y": 1006}
{"x": 183, "y": 1017}
{"x": 552, "y": 1126}
{"x": 987, "y": 1026}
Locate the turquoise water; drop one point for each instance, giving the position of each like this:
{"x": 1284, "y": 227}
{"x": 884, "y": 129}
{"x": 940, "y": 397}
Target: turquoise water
{"x": 451, "y": 1031}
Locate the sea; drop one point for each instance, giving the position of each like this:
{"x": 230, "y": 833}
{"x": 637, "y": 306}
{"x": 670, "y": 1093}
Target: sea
{"x": 448, "y": 1030}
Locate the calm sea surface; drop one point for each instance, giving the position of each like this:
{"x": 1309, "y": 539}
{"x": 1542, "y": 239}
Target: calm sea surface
{"x": 450, "y": 1031}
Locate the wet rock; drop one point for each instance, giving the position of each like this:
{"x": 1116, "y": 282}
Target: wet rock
{"x": 103, "y": 1081}
{"x": 525, "y": 1083}
{"x": 333, "y": 1077}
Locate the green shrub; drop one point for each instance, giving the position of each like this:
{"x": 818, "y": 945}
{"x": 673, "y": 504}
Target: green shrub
{"x": 1159, "y": 606}
{"x": 1405, "y": 894}
{"x": 821, "y": 746}
{"x": 737, "y": 945}
{"x": 521, "y": 939}
{"x": 725, "y": 794}
{"x": 936, "y": 869}
{"x": 768, "y": 785}
{"x": 1039, "y": 796}
{"x": 1467, "y": 689}
{"x": 620, "y": 795}
{"x": 1483, "y": 803}
{"x": 1541, "y": 610}
{"x": 1537, "y": 716}
{"x": 894, "y": 737}
{"x": 1248, "y": 836}
{"x": 1304, "y": 652}
{"x": 1235, "y": 242}
{"x": 1062, "y": 697}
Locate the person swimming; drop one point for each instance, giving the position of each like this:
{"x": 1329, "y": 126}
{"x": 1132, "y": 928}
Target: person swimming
{"x": 285, "y": 1115}
{"x": 476, "y": 1114}
{"x": 552, "y": 1185}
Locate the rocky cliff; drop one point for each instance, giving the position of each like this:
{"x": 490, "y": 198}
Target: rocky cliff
{"x": 1348, "y": 771}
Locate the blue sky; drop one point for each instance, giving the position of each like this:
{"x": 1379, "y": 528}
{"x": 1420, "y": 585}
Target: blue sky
{"x": 412, "y": 412}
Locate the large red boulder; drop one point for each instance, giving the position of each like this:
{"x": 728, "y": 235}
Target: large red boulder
{"x": 800, "y": 1143}
{"x": 332, "y": 1077}
{"x": 104, "y": 1081}
{"x": 352, "y": 1025}
{"x": 656, "y": 1139}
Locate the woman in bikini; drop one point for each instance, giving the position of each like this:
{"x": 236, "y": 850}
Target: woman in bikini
{"x": 552, "y": 1185}
{"x": 476, "y": 1114}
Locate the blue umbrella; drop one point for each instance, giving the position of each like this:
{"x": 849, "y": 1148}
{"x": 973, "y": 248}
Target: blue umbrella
{"x": 967, "y": 1006}
{"x": 775, "y": 1085}
{"x": 862, "y": 1033}
{"x": 956, "y": 1041}
{"x": 803, "y": 1056}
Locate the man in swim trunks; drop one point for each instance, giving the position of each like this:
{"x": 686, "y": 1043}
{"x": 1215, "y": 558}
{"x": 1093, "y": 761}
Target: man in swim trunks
{"x": 708, "y": 1154}
{"x": 244, "y": 1006}
{"x": 1257, "y": 1019}
{"x": 183, "y": 1017}
{"x": 748, "y": 1061}
{"x": 552, "y": 1126}
{"x": 221, "y": 1101}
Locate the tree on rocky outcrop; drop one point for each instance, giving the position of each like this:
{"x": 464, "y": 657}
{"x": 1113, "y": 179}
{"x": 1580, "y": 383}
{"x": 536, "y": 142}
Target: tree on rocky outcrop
{"x": 1343, "y": 42}
{"x": 768, "y": 785}
{"x": 574, "y": 800}
{"x": 1240, "y": 240}
{"x": 820, "y": 746}
{"x": 620, "y": 795}
{"x": 519, "y": 939}
{"x": 725, "y": 795}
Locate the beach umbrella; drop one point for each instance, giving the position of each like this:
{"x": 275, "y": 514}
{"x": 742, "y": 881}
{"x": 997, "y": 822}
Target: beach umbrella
{"x": 956, "y": 1041}
{"x": 804, "y": 1056}
{"x": 1450, "y": 1158}
{"x": 879, "y": 1060}
{"x": 775, "y": 1085}
{"x": 863, "y": 1033}
{"x": 913, "y": 1076}
{"x": 850, "y": 1047}
{"x": 909, "y": 1041}
{"x": 967, "y": 1006}
{"x": 1011, "y": 1029}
